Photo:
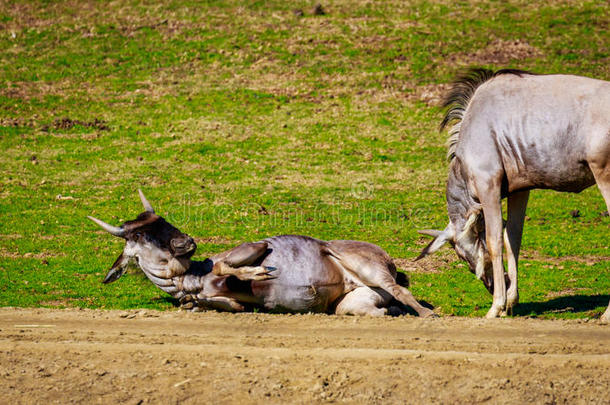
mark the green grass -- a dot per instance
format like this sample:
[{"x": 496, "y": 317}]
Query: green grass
[{"x": 219, "y": 108}]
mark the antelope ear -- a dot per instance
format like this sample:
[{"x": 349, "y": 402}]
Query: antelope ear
[
  {"x": 117, "y": 270},
  {"x": 183, "y": 245},
  {"x": 440, "y": 238}
]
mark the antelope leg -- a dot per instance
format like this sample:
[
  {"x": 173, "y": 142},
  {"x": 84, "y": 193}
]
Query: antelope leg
[
  {"x": 244, "y": 273},
  {"x": 199, "y": 303},
  {"x": 488, "y": 190},
  {"x": 236, "y": 262},
  {"x": 193, "y": 302},
  {"x": 517, "y": 204},
  {"x": 602, "y": 177},
  {"x": 224, "y": 304},
  {"x": 374, "y": 268}
]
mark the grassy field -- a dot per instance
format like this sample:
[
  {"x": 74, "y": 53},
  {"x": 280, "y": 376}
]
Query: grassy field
[{"x": 242, "y": 120}]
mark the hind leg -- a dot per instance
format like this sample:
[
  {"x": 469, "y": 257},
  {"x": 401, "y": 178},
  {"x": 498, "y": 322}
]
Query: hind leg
[
  {"x": 602, "y": 177},
  {"x": 403, "y": 295},
  {"x": 372, "y": 266},
  {"x": 517, "y": 204},
  {"x": 362, "y": 301}
]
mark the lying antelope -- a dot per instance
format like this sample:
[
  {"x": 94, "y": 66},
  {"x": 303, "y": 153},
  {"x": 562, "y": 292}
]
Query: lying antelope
[
  {"x": 517, "y": 131},
  {"x": 284, "y": 273}
]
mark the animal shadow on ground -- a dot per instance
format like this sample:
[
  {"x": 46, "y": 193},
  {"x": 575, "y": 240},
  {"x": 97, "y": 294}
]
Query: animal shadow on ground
[
  {"x": 171, "y": 300},
  {"x": 571, "y": 303},
  {"x": 396, "y": 308}
]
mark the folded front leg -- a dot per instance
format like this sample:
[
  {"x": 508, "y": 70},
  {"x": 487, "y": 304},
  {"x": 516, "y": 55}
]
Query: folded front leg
[
  {"x": 244, "y": 273},
  {"x": 237, "y": 262}
]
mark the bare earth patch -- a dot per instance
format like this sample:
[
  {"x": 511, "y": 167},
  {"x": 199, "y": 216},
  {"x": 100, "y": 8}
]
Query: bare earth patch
[
  {"x": 141, "y": 357},
  {"x": 69, "y": 123},
  {"x": 564, "y": 293},
  {"x": 58, "y": 303},
  {"x": 5, "y": 253},
  {"x": 218, "y": 240},
  {"x": 431, "y": 94},
  {"x": 431, "y": 264},
  {"x": 589, "y": 260},
  {"x": 498, "y": 52},
  {"x": 16, "y": 122}
]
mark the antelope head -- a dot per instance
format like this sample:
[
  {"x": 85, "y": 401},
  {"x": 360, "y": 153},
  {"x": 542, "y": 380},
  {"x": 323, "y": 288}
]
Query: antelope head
[
  {"x": 469, "y": 244},
  {"x": 156, "y": 246}
]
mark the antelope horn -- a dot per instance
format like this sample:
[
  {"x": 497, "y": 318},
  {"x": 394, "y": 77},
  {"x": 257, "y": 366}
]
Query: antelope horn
[
  {"x": 430, "y": 232},
  {"x": 147, "y": 206},
  {"x": 114, "y": 230}
]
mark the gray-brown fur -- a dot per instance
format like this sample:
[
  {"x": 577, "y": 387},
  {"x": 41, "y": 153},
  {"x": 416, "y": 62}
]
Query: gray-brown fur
[
  {"x": 515, "y": 132},
  {"x": 458, "y": 98},
  {"x": 290, "y": 273}
]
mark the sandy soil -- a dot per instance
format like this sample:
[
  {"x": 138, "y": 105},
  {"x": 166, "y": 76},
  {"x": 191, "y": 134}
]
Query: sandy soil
[{"x": 87, "y": 356}]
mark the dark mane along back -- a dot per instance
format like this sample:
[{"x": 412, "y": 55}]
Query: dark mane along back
[{"x": 459, "y": 95}]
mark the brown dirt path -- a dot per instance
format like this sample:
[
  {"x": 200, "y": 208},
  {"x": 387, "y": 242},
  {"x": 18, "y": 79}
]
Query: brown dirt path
[{"x": 87, "y": 356}]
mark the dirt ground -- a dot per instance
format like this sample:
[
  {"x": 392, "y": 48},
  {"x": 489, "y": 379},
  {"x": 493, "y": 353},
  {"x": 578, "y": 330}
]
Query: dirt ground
[{"x": 135, "y": 357}]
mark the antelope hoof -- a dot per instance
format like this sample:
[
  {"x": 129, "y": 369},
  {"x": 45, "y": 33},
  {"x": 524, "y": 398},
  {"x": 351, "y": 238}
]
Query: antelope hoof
[
  {"x": 187, "y": 301},
  {"x": 258, "y": 273},
  {"x": 188, "y": 305},
  {"x": 268, "y": 271},
  {"x": 428, "y": 313},
  {"x": 494, "y": 312},
  {"x": 193, "y": 303}
]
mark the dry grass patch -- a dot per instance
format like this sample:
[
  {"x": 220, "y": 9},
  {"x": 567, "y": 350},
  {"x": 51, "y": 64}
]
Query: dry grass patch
[
  {"x": 7, "y": 254},
  {"x": 498, "y": 52},
  {"x": 216, "y": 240},
  {"x": 589, "y": 260},
  {"x": 435, "y": 263},
  {"x": 430, "y": 94},
  {"x": 60, "y": 303},
  {"x": 564, "y": 293}
]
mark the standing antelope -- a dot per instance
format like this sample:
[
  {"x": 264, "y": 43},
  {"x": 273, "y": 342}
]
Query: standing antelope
[
  {"x": 284, "y": 273},
  {"x": 517, "y": 131}
]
